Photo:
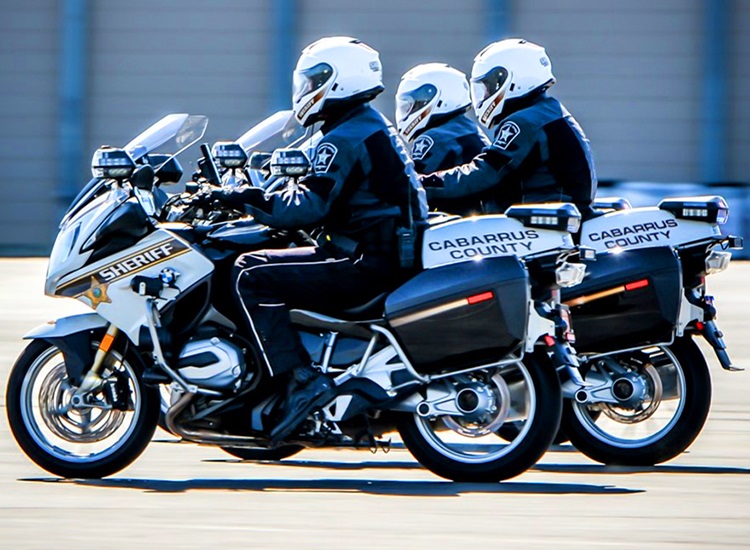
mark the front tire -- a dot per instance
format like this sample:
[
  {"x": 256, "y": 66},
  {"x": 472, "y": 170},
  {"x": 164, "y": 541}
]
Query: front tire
[
  {"x": 91, "y": 441},
  {"x": 467, "y": 451},
  {"x": 659, "y": 428}
]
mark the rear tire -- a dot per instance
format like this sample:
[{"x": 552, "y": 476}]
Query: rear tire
[
  {"x": 78, "y": 442},
  {"x": 680, "y": 365},
  {"x": 502, "y": 461}
]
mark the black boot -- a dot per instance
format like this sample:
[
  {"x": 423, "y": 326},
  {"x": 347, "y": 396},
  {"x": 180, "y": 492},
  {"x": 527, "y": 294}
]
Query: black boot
[{"x": 308, "y": 389}]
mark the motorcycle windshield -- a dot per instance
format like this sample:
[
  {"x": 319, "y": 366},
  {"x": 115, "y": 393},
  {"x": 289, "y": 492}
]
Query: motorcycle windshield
[
  {"x": 278, "y": 130},
  {"x": 171, "y": 136}
]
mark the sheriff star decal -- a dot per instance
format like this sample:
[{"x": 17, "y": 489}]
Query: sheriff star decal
[
  {"x": 324, "y": 156},
  {"x": 421, "y": 146},
  {"x": 507, "y": 133},
  {"x": 97, "y": 293}
]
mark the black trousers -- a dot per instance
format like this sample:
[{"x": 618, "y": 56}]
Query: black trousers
[{"x": 271, "y": 282}]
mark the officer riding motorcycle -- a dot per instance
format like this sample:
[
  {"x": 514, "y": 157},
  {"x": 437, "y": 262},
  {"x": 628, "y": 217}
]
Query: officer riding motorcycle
[
  {"x": 539, "y": 152},
  {"x": 362, "y": 190},
  {"x": 431, "y": 105}
]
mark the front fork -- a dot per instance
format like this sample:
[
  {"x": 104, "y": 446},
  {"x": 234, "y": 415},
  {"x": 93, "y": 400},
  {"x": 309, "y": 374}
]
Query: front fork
[
  {"x": 93, "y": 381},
  {"x": 708, "y": 328}
]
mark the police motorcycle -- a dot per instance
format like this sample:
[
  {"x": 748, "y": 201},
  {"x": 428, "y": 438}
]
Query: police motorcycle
[
  {"x": 636, "y": 316},
  {"x": 456, "y": 352}
]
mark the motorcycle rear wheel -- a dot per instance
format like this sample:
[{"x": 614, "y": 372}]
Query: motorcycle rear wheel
[
  {"x": 483, "y": 456},
  {"x": 84, "y": 442},
  {"x": 680, "y": 398}
]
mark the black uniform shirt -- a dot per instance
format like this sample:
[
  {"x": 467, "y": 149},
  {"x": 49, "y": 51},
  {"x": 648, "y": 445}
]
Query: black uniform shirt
[
  {"x": 540, "y": 154},
  {"x": 454, "y": 142}
]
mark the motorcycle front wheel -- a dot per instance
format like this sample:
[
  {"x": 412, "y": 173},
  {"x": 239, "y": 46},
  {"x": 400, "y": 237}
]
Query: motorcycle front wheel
[
  {"x": 93, "y": 439},
  {"x": 467, "y": 448},
  {"x": 658, "y": 426}
]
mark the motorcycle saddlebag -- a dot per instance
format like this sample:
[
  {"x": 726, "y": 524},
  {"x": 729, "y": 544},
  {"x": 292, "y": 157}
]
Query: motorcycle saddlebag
[
  {"x": 628, "y": 299},
  {"x": 461, "y": 315}
]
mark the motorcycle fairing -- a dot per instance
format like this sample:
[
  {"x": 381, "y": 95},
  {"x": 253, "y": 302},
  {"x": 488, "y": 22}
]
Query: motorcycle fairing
[
  {"x": 492, "y": 236},
  {"x": 67, "y": 325},
  {"x": 643, "y": 228},
  {"x": 106, "y": 285}
]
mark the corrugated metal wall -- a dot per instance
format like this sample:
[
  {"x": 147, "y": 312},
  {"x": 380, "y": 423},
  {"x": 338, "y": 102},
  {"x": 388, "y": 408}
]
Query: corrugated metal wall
[
  {"x": 406, "y": 33},
  {"x": 29, "y": 55},
  {"x": 149, "y": 59},
  {"x": 631, "y": 72},
  {"x": 739, "y": 92}
]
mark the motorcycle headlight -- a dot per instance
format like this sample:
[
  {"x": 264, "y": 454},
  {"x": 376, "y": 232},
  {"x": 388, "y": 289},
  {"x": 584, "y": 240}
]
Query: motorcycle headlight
[
  {"x": 717, "y": 261},
  {"x": 229, "y": 154},
  {"x": 711, "y": 209},
  {"x": 570, "y": 274},
  {"x": 554, "y": 216},
  {"x": 109, "y": 162}
]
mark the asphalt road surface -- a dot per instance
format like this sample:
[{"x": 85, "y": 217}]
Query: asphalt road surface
[{"x": 186, "y": 496}]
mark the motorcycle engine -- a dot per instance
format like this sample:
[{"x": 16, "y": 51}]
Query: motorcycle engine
[{"x": 215, "y": 364}]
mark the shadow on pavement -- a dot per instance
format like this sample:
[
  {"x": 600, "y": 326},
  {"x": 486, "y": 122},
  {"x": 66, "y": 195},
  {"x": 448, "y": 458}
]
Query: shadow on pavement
[
  {"x": 330, "y": 465},
  {"x": 661, "y": 469},
  {"x": 364, "y": 486}
]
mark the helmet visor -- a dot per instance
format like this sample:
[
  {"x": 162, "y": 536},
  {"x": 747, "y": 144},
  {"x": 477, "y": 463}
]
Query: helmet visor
[
  {"x": 487, "y": 85},
  {"x": 308, "y": 80},
  {"x": 408, "y": 103}
]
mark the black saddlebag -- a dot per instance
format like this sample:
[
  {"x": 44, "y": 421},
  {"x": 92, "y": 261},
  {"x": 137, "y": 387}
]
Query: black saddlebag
[
  {"x": 461, "y": 315},
  {"x": 628, "y": 299}
]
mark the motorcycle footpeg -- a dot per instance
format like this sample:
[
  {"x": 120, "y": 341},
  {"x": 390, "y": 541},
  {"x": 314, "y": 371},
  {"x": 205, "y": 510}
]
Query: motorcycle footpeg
[{"x": 715, "y": 337}]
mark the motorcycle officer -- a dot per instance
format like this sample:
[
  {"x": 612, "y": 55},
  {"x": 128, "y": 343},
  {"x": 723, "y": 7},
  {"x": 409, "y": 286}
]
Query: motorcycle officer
[
  {"x": 539, "y": 152},
  {"x": 431, "y": 104},
  {"x": 361, "y": 190}
]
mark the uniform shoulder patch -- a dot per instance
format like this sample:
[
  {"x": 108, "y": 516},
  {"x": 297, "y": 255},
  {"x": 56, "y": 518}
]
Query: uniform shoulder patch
[
  {"x": 421, "y": 146},
  {"x": 324, "y": 155},
  {"x": 506, "y": 134}
]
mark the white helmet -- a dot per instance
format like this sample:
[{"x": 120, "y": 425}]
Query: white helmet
[
  {"x": 509, "y": 69},
  {"x": 333, "y": 70},
  {"x": 426, "y": 91}
]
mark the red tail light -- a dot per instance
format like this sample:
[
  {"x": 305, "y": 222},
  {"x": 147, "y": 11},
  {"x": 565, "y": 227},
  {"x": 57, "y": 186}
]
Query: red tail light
[
  {"x": 637, "y": 284},
  {"x": 477, "y": 298}
]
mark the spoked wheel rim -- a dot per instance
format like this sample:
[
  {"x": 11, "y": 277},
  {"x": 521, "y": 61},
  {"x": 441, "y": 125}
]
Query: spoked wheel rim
[
  {"x": 82, "y": 434},
  {"x": 649, "y": 421},
  {"x": 473, "y": 440}
]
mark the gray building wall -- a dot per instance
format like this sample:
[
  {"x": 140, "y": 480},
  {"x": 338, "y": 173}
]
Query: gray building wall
[
  {"x": 739, "y": 92},
  {"x": 630, "y": 72},
  {"x": 29, "y": 55}
]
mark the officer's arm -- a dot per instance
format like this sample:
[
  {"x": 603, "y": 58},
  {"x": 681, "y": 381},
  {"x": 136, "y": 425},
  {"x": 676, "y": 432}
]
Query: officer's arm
[
  {"x": 309, "y": 202},
  {"x": 488, "y": 169},
  {"x": 302, "y": 205}
]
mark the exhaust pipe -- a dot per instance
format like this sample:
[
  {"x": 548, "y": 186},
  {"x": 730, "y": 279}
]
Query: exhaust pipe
[{"x": 203, "y": 436}]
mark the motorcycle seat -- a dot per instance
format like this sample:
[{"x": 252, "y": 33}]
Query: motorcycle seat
[
  {"x": 318, "y": 321},
  {"x": 369, "y": 310}
]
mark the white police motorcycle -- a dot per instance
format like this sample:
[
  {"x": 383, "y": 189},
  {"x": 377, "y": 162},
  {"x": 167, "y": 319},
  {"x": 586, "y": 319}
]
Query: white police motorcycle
[{"x": 463, "y": 348}]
